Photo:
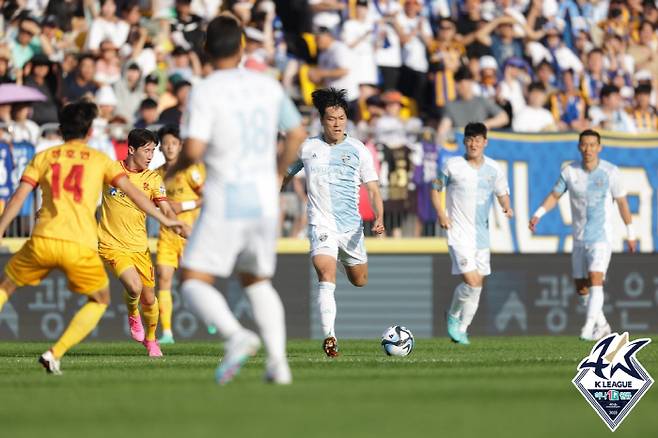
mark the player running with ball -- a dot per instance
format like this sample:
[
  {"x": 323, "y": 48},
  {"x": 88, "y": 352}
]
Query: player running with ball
[
  {"x": 470, "y": 181},
  {"x": 594, "y": 186}
]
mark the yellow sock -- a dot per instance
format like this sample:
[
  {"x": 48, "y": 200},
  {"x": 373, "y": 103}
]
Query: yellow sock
[
  {"x": 131, "y": 303},
  {"x": 166, "y": 307},
  {"x": 150, "y": 314},
  {"x": 80, "y": 326},
  {"x": 4, "y": 297}
]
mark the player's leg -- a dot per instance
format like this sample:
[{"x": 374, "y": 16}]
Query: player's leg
[
  {"x": 25, "y": 268},
  {"x": 133, "y": 285},
  {"x": 165, "y": 280},
  {"x": 473, "y": 281},
  {"x": 352, "y": 254},
  {"x": 463, "y": 264},
  {"x": 149, "y": 302},
  {"x": 7, "y": 288},
  {"x": 597, "y": 259}
]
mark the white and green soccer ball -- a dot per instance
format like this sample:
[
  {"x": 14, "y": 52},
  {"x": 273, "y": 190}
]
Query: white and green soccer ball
[{"x": 397, "y": 341}]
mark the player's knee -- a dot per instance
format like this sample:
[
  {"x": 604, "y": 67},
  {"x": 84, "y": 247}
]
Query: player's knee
[
  {"x": 359, "y": 280},
  {"x": 101, "y": 297}
]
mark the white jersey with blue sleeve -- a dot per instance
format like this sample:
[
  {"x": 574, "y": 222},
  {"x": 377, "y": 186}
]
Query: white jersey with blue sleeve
[
  {"x": 334, "y": 175},
  {"x": 469, "y": 197},
  {"x": 238, "y": 114},
  {"x": 592, "y": 196}
]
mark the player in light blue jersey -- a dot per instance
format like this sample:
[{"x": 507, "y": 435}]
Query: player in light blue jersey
[
  {"x": 594, "y": 186},
  {"x": 232, "y": 123},
  {"x": 336, "y": 165},
  {"x": 470, "y": 181}
]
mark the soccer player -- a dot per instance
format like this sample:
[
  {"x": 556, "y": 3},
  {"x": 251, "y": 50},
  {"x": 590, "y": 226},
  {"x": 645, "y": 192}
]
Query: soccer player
[
  {"x": 470, "y": 182},
  {"x": 232, "y": 122},
  {"x": 71, "y": 177},
  {"x": 122, "y": 238},
  {"x": 594, "y": 185},
  {"x": 336, "y": 165},
  {"x": 184, "y": 195}
]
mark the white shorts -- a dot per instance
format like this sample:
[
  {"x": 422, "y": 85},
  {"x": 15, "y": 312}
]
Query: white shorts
[
  {"x": 348, "y": 248},
  {"x": 218, "y": 247},
  {"x": 470, "y": 259},
  {"x": 590, "y": 258}
]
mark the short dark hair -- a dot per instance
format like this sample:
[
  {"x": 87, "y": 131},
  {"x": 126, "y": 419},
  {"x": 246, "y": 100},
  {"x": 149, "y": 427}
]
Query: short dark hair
[
  {"x": 84, "y": 56},
  {"x": 139, "y": 137},
  {"x": 328, "y": 97},
  {"x": 168, "y": 130},
  {"x": 536, "y": 86},
  {"x": 643, "y": 89},
  {"x": 223, "y": 37},
  {"x": 589, "y": 133},
  {"x": 463, "y": 73},
  {"x": 76, "y": 119},
  {"x": 609, "y": 89},
  {"x": 148, "y": 103},
  {"x": 475, "y": 129}
]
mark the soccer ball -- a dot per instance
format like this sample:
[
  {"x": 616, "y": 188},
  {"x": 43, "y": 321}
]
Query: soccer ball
[{"x": 397, "y": 341}]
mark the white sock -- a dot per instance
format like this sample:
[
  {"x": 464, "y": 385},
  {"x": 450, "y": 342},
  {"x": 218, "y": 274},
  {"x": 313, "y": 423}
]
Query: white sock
[
  {"x": 459, "y": 297},
  {"x": 594, "y": 307},
  {"x": 470, "y": 306},
  {"x": 167, "y": 333},
  {"x": 270, "y": 318},
  {"x": 210, "y": 306},
  {"x": 327, "y": 304}
]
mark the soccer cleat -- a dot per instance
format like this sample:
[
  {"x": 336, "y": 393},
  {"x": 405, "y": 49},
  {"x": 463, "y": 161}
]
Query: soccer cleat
[
  {"x": 166, "y": 339},
  {"x": 602, "y": 332},
  {"x": 238, "y": 349},
  {"x": 49, "y": 362},
  {"x": 453, "y": 328},
  {"x": 464, "y": 339},
  {"x": 136, "y": 327},
  {"x": 278, "y": 374},
  {"x": 330, "y": 347},
  {"x": 212, "y": 330},
  {"x": 587, "y": 333},
  {"x": 152, "y": 348}
]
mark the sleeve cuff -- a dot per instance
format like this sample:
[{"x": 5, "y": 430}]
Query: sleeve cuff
[
  {"x": 157, "y": 200},
  {"x": 29, "y": 180}
]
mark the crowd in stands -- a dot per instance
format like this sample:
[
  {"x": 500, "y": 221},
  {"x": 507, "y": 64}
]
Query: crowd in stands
[{"x": 414, "y": 71}]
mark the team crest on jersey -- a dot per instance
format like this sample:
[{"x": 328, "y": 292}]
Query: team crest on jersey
[
  {"x": 70, "y": 154},
  {"x": 345, "y": 158},
  {"x": 322, "y": 237},
  {"x": 146, "y": 187},
  {"x": 314, "y": 155},
  {"x": 599, "y": 182},
  {"x": 611, "y": 378}
]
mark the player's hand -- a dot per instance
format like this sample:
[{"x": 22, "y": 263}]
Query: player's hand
[
  {"x": 632, "y": 246},
  {"x": 509, "y": 213},
  {"x": 378, "y": 227},
  {"x": 533, "y": 223},
  {"x": 445, "y": 222}
]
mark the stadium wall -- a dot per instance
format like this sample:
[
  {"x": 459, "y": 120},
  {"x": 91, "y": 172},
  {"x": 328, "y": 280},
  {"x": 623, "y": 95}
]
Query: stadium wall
[{"x": 529, "y": 294}]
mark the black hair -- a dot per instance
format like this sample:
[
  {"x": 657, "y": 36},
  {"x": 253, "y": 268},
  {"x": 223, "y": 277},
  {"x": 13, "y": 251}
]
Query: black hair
[
  {"x": 595, "y": 50},
  {"x": 475, "y": 129},
  {"x": 84, "y": 56},
  {"x": 536, "y": 86},
  {"x": 607, "y": 90},
  {"x": 223, "y": 37},
  {"x": 328, "y": 97},
  {"x": 76, "y": 119},
  {"x": 463, "y": 73},
  {"x": 544, "y": 63},
  {"x": 643, "y": 89},
  {"x": 139, "y": 137},
  {"x": 168, "y": 130},
  {"x": 180, "y": 84},
  {"x": 589, "y": 133},
  {"x": 148, "y": 103}
]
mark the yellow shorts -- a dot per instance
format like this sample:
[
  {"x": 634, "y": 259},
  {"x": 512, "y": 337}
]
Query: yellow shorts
[
  {"x": 170, "y": 249},
  {"x": 81, "y": 265},
  {"x": 119, "y": 261}
]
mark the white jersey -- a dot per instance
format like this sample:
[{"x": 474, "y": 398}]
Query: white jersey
[
  {"x": 469, "y": 197},
  {"x": 592, "y": 197},
  {"x": 333, "y": 177},
  {"x": 238, "y": 114}
]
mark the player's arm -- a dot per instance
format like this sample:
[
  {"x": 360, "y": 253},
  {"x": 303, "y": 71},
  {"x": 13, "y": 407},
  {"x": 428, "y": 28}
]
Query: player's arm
[
  {"x": 290, "y": 122},
  {"x": 625, "y": 212},
  {"x": 14, "y": 205},
  {"x": 504, "y": 201},
  {"x": 377, "y": 205},
  {"x": 293, "y": 170},
  {"x": 438, "y": 186},
  {"x": 145, "y": 204},
  {"x": 549, "y": 203}
]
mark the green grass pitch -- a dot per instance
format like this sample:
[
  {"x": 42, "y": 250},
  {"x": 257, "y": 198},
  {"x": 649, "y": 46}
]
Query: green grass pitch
[{"x": 497, "y": 387}]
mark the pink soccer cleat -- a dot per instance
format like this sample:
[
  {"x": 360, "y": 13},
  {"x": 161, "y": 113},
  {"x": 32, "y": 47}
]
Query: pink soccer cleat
[
  {"x": 153, "y": 348},
  {"x": 136, "y": 327}
]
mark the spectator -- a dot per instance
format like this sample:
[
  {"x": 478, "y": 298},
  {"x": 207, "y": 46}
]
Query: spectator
[
  {"x": 27, "y": 43},
  {"x": 445, "y": 60},
  {"x": 327, "y": 13},
  {"x": 510, "y": 89},
  {"x": 43, "y": 78},
  {"x": 130, "y": 92},
  {"x": 185, "y": 63},
  {"x": 416, "y": 38},
  {"x": 499, "y": 36},
  {"x": 568, "y": 106},
  {"x": 82, "y": 82},
  {"x": 594, "y": 77},
  {"x": 468, "y": 108},
  {"x": 173, "y": 115},
  {"x": 5, "y": 59},
  {"x": 645, "y": 50},
  {"x": 148, "y": 113},
  {"x": 610, "y": 115},
  {"x": 488, "y": 69},
  {"x": 358, "y": 34},
  {"x": 187, "y": 28},
  {"x": 336, "y": 67},
  {"x": 108, "y": 65},
  {"x": 534, "y": 117},
  {"x": 644, "y": 114},
  {"x": 107, "y": 26},
  {"x": 387, "y": 46},
  {"x": 100, "y": 137},
  {"x": 21, "y": 127}
]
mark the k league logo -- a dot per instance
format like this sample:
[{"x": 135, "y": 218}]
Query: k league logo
[{"x": 611, "y": 379}]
